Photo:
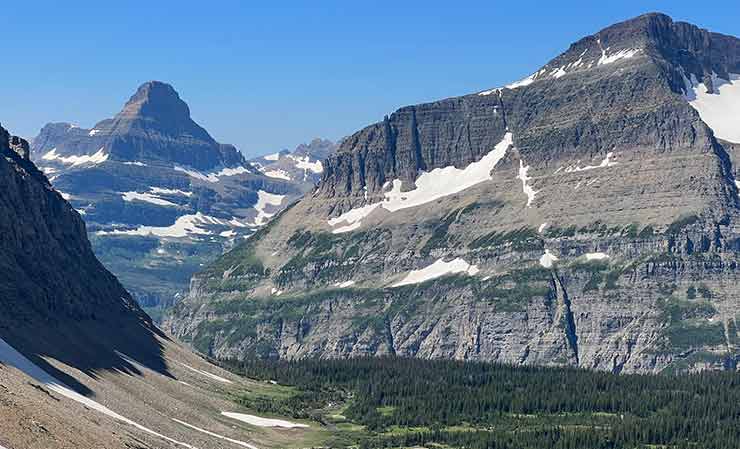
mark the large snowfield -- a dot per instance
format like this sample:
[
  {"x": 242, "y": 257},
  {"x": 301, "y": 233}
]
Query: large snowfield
[{"x": 430, "y": 186}]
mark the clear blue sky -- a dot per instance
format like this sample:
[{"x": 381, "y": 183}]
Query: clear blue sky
[{"x": 270, "y": 77}]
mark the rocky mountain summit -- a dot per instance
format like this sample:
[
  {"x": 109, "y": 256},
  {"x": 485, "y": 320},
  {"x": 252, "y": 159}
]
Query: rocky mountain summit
[
  {"x": 160, "y": 196},
  {"x": 303, "y": 165},
  {"x": 586, "y": 215}
]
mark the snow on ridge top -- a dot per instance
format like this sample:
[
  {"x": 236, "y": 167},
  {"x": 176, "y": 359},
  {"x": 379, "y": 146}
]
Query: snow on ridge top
[
  {"x": 430, "y": 186},
  {"x": 438, "y": 269},
  {"x": 98, "y": 158},
  {"x": 719, "y": 110}
]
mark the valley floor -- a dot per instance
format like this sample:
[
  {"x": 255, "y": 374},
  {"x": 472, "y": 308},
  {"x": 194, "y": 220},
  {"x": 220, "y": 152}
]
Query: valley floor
[{"x": 360, "y": 403}]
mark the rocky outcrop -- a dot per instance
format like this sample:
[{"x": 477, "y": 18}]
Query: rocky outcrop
[{"x": 585, "y": 215}]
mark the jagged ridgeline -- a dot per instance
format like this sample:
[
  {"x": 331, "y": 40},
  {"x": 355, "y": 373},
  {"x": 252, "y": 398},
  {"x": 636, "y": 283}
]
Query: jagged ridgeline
[{"x": 584, "y": 216}]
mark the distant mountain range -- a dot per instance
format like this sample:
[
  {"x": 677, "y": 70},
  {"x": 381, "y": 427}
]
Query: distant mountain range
[
  {"x": 586, "y": 215},
  {"x": 159, "y": 195}
]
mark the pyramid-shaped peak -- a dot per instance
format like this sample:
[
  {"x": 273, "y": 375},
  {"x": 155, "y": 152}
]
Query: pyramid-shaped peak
[{"x": 156, "y": 99}]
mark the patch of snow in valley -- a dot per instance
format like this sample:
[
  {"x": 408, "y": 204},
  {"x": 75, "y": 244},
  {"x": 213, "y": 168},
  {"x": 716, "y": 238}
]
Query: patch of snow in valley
[
  {"x": 265, "y": 199},
  {"x": 98, "y": 158},
  {"x": 263, "y": 422},
  {"x": 719, "y": 110},
  {"x": 528, "y": 190},
  {"x": 438, "y": 269},
  {"x": 206, "y": 374},
  {"x": 548, "y": 259},
  {"x": 430, "y": 186},
  {"x": 221, "y": 437},
  {"x": 147, "y": 198},
  {"x": 606, "y": 162},
  {"x": 10, "y": 357},
  {"x": 596, "y": 256}
]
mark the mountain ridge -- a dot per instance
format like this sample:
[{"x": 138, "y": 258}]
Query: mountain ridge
[{"x": 588, "y": 184}]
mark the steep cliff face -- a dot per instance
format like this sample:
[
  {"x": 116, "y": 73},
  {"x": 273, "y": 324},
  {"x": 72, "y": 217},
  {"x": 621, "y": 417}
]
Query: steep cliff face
[
  {"x": 585, "y": 215},
  {"x": 160, "y": 196},
  {"x": 56, "y": 299}
]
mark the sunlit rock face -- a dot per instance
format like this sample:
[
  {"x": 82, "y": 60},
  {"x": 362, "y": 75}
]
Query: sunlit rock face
[{"x": 584, "y": 216}]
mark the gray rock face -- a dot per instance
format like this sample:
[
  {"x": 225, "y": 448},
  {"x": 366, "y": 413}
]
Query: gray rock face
[
  {"x": 160, "y": 196},
  {"x": 56, "y": 299},
  {"x": 603, "y": 235}
]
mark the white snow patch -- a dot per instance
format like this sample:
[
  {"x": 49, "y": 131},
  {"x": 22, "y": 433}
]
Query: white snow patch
[
  {"x": 206, "y": 374},
  {"x": 93, "y": 132},
  {"x": 228, "y": 234},
  {"x": 304, "y": 163},
  {"x": 230, "y": 440},
  {"x": 137, "y": 163},
  {"x": 265, "y": 199},
  {"x": 272, "y": 157},
  {"x": 9, "y": 356},
  {"x": 548, "y": 259},
  {"x": 183, "y": 226},
  {"x": 528, "y": 190},
  {"x": 161, "y": 191},
  {"x": 197, "y": 175},
  {"x": 607, "y": 58},
  {"x": 226, "y": 172},
  {"x": 438, "y": 269},
  {"x": 430, "y": 186},
  {"x": 606, "y": 162},
  {"x": 263, "y": 422},
  {"x": 344, "y": 284},
  {"x": 98, "y": 158},
  {"x": 64, "y": 195},
  {"x": 719, "y": 110},
  {"x": 596, "y": 256},
  {"x": 279, "y": 174},
  {"x": 523, "y": 82},
  {"x": 147, "y": 198},
  {"x": 542, "y": 228}
]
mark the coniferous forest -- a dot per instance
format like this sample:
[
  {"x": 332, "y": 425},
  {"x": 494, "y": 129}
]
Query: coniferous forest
[{"x": 395, "y": 402}]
